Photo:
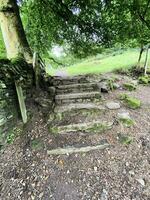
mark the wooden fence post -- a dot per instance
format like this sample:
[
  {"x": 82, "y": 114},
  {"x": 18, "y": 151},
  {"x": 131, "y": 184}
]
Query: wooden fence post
[
  {"x": 146, "y": 61},
  {"x": 21, "y": 102}
]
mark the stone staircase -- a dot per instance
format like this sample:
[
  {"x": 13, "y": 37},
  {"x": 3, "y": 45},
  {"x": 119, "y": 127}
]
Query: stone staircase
[
  {"x": 75, "y": 90},
  {"x": 78, "y": 109}
]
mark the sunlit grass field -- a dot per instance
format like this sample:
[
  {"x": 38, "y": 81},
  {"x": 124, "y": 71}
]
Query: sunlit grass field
[{"x": 101, "y": 64}]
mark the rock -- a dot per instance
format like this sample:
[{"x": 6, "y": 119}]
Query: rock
[
  {"x": 134, "y": 82},
  {"x": 123, "y": 115},
  {"x": 52, "y": 91},
  {"x": 41, "y": 195},
  {"x": 112, "y": 105},
  {"x": 125, "y": 118},
  {"x": 103, "y": 86},
  {"x": 116, "y": 85},
  {"x": 44, "y": 102},
  {"x": 104, "y": 195},
  {"x": 2, "y": 121},
  {"x": 131, "y": 173},
  {"x": 89, "y": 127},
  {"x": 141, "y": 181},
  {"x": 95, "y": 169},
  {"x": 145, "y": 142}
]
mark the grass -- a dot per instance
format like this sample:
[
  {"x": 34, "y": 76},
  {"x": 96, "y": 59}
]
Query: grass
[{"x": 101, "y": 64}]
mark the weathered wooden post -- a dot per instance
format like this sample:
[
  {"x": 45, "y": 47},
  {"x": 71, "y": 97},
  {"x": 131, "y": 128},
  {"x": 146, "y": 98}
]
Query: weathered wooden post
[
  {"x": 21, "y": 102},
  {"x": 146, "y": 61}
]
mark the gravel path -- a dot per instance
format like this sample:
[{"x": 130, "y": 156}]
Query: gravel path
[{"x": 121, "y": 172}]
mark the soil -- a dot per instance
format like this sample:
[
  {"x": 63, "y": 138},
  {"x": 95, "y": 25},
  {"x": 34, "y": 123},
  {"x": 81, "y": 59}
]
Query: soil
[{"x": 121, "y": 172}]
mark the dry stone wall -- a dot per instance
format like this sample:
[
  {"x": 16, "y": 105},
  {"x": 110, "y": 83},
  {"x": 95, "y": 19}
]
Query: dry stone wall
[{"x": 8, "y": 106}]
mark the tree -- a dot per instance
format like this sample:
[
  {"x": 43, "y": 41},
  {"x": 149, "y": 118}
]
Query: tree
[
  {"x": 80, "y": 24},
  {"x": 2, "y": 47},
  {"x": 17, "y": 47},
  {"x": 84, "y": 25},
  {"x": 12, "y": 30}
]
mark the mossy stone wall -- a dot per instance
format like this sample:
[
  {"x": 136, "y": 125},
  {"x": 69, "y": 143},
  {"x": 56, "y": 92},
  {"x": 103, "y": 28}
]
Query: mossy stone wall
[{"x": 8, "y": 106}]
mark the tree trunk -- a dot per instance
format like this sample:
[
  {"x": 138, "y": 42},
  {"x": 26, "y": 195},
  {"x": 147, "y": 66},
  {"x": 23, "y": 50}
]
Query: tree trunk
[
  {"x": 13, "y": 33},
  {"x": 15, "y": 42}
]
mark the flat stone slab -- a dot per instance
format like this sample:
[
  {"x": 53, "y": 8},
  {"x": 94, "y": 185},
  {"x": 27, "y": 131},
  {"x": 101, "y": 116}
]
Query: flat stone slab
[
  {"x": 113, "y": 105},
  {"x": 76, "y": 88},
  {"x": 125, "y": 118},
  {"x": 69, "y": 80},
  {"x": 82, "y": 95},
  {"x": 78, "y": 106},
  {"x": 89, "y": 127},
  {"x": 124, "y": 115},
  {"x": 78, "y": 85},
  {"x": 70, "y": 150}
]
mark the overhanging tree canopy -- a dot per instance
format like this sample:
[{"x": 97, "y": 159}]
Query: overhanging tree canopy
[{"x": 85, "y": 25}]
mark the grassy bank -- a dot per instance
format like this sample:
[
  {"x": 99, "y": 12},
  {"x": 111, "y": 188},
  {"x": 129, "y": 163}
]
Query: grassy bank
[{"x": 101, "y": 64}]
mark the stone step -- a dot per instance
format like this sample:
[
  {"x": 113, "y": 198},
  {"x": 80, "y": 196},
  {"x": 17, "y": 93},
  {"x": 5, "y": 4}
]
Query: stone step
[
  {"x": 82, "y": 149},
  {"x": 89, "y": 127},
  {"x": 78, "y": 106},
  {"x": 78, "y": 85},
  {"x": 75, "y": 88},
  {"x": 69, "y": 80},
  {"x": 77, "y": 97}
]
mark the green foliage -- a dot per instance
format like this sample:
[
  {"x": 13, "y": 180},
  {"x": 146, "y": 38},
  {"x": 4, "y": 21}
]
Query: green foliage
[
  {"x": 99, "y": 128},
  {"x": 85, "y": 26},
  {"x": 123, "y": 96},
  {"x": 101, "y": 63},
  {"x": 111, "y": 84},
  {"x": 129, "y": 86},
  {"x": 125, "y": 139},
  {"x": 2, "y": 47},
  {"x": 15, "y": 132},
  {"x": 54, "y": 130},
  {"x": 36, "y": 144},
  {"x": 131, "y": 102},
  {"x": 18, "y": 60},
  {"x": 11, "y": 137},
  {"x": 144, "y": 80},
  {"x": 127, "y": 122}
]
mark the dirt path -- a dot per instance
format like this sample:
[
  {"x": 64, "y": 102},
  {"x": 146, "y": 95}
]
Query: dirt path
[{"x": 121, "y": 172}]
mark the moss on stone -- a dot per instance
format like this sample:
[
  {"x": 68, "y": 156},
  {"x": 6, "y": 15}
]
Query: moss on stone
[
  {"x": 17, "y": 60},
  {"x": 98, "y": 128},
  {"x": 131, "y": 102},
  {"x": 92, "y": 128},
  {"x": 112, "y": 85},
  {"x": 129, "y": 86},
  {"x": 144, "y": 80},
  {"x": 127, "y": 122},
  {"x": 54, "y": 130},
  {"x": 123, "y": 96}
]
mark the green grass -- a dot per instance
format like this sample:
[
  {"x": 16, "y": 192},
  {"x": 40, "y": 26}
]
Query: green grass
[{"x": 102, "y": 64}]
